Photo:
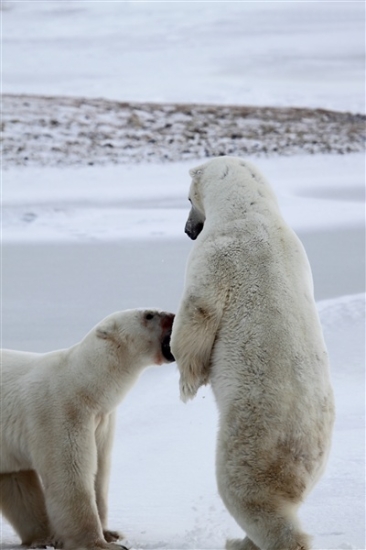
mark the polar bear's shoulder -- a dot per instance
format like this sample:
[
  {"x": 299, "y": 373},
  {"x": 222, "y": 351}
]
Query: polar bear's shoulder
[
  {"x": 228, "y": 168},
  {"x": 18, "y": 360},
  {"x": 232, "y": 186}
]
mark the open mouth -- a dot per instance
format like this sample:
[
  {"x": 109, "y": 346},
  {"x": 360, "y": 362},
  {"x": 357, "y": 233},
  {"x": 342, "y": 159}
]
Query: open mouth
[{"x": 165, "y": 348}]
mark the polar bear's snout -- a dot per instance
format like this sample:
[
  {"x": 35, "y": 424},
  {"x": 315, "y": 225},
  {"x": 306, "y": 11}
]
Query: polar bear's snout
[
  {"x": 167, "y": 321},
  {"x": 167, "y": 324},
  {"x": 165, "y": 348},
  {"x": 194, "y": 224}
]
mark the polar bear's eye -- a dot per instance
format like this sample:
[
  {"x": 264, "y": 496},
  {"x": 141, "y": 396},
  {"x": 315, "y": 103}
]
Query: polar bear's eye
[{"x": 149, "y": 316}]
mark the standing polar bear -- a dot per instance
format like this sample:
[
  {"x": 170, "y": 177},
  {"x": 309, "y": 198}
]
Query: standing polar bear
[
  {"x": 248, "y": 325},
  {"x": 57, "y": 423}
]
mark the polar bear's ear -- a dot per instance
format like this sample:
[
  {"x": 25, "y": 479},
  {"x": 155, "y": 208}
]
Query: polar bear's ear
[
  {"x": 101, "y": 333},
  {"x": 195, "y": 172},
  {"x": 106, "y": 329}
]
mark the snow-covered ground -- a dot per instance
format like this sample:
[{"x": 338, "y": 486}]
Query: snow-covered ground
[
  {"x": 81, "y": 242},
  {"x": 62, "y": 131}
]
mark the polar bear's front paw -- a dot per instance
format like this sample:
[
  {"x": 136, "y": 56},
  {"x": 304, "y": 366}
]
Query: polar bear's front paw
[
  {"x": 45, "y": 543},
  {"x": 114, "y": 546},
  {"x": 112, "y": 536},
  {"x": 188, "y": 390}
]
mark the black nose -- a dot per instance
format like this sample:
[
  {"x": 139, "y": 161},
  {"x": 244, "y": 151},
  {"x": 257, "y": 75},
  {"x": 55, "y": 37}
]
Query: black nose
[
  {"x": 193, "y": 230},
  {"x": 165, "y": 348}
]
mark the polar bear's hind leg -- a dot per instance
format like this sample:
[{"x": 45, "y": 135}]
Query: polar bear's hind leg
[
  {"x": 271, "y": 529},
  {"x": 237, "y": 544},
  {"x": 22, "y": 503}
]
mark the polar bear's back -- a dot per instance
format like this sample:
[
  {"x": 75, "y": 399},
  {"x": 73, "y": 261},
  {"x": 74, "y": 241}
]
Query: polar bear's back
[
  {"x": 269, "y": 356},
  {"x": 23, "y": 368},
  {"x": 269, "y": 349},
  {"x": 270, "y": 314},
  {"x": 16, "y": 387},
  {"x": 24, "y": 393},
  {"x": 22, "y": 361}
]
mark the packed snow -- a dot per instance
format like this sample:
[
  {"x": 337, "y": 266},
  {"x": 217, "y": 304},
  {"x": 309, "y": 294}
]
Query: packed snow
[{"x": 79, "y": 242}]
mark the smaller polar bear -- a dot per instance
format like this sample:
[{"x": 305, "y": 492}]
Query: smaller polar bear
[
  {"x": 57, "y": 423},
  {"x": 248, "y": 325}
]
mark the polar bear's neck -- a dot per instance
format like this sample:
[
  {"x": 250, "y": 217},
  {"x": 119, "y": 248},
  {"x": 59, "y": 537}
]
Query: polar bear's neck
[
  {"x": 237, "y": 204},
  {"x": 100, "y": 373},
  {"x": 236, "y": 191}
]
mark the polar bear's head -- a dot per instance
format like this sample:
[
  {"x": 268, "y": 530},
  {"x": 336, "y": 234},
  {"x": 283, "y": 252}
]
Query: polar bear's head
[
  {"x": 224, "y": 187},
  {"x": 142, "y": 335}
]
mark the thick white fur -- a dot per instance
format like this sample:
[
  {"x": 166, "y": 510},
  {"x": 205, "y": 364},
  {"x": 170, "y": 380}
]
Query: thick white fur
[
  {"x": 57, "y": 420},
  {"x": 248, "y": 325}
]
